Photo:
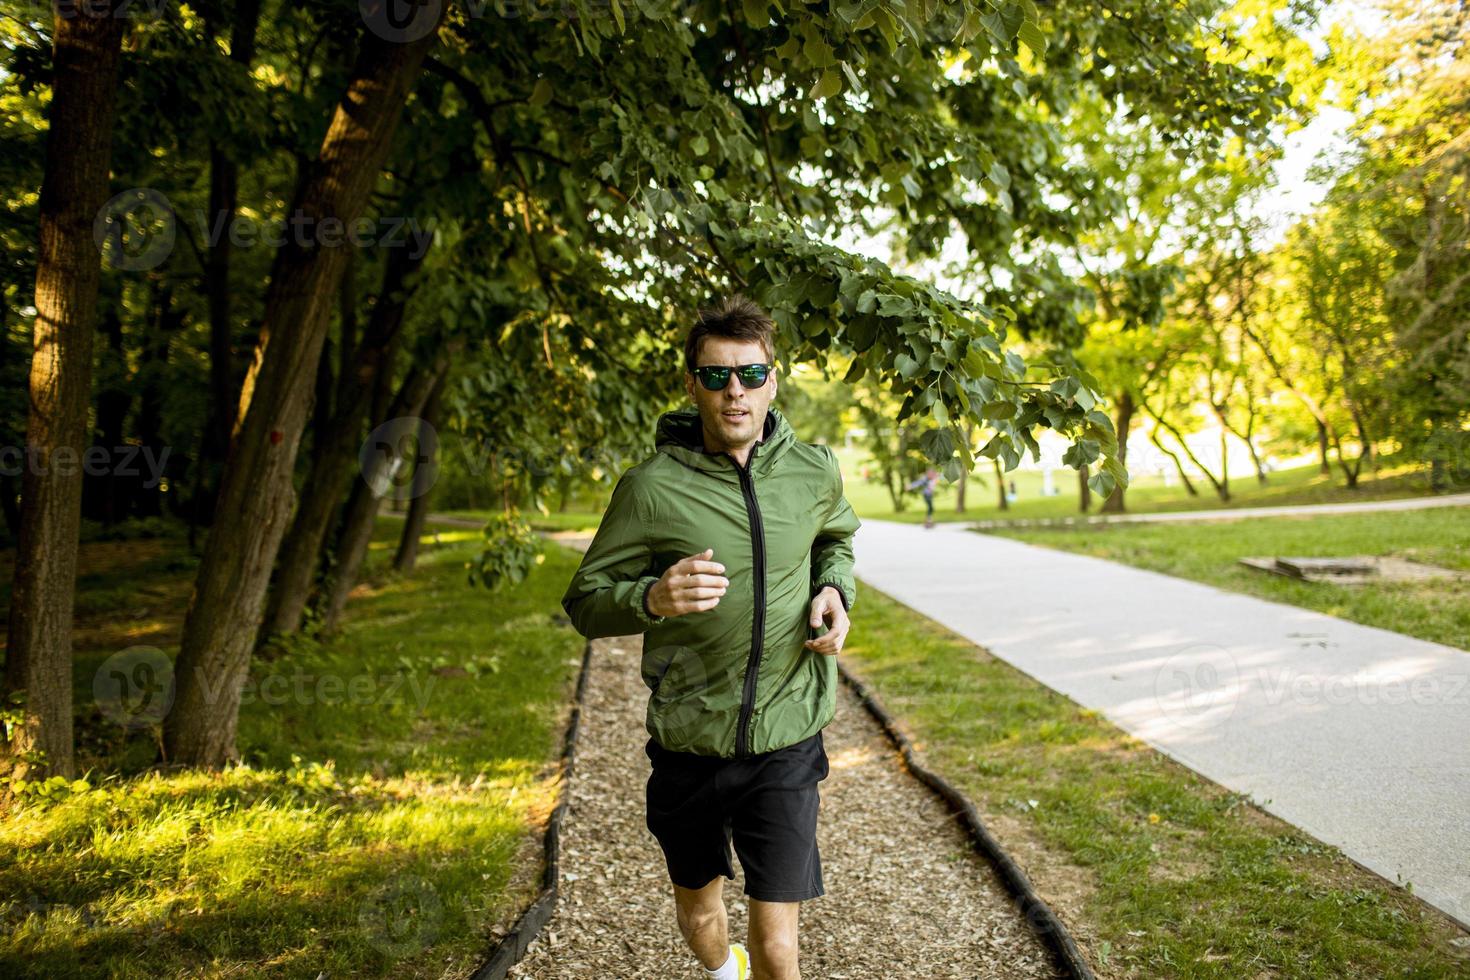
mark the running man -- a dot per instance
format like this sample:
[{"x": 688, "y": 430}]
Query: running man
[
  {"x": 926, "y": 485},
  {"x": 730, "y": 547}
]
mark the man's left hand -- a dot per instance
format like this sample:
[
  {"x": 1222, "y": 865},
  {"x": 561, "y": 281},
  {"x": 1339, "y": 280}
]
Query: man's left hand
[{"x": 827, "y": 608}]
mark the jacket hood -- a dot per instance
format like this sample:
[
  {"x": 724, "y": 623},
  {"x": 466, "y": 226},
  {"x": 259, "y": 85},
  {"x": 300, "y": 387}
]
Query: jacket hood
[{"x": 679, "y": 434}]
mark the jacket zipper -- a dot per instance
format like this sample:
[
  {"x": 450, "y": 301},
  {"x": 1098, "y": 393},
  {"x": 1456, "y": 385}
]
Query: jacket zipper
[{"x": 758, "y": 630}]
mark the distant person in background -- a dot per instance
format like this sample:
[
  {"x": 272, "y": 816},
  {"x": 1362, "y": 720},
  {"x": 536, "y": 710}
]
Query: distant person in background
[
  {"x": 925, "y": 484},
  {"x": 1011, "y": 496}
]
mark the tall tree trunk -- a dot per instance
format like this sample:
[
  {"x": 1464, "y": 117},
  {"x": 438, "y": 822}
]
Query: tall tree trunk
[
  {"x": 322, "y": 399},
  {"x": 1224, "y": 484},
  {"x": 224, "y": 194},
  {"x": 1122, "y": 423},
  {"x": 336, "y": 457},
  {"x": 256, "y": 493},
  {"x": 1084, "y": 492},
  {"x": 9, "y": 484},
  {"x": 102, "y": 495},
  {"x": 1178, "y": 463},
  {"x": 85, "y": 57},
  {"x": 167, "y": 320},
  {"x": 368, "y": 493},
  {"x": 418, "y": 507},
  {"x": 1000, "y": 486},
  {"x": 1311, "y": 404},
  {"x": 1222, "y": 488},
  {"x": 1247, "y": 437},
  {"x": 895, "y": 494},
  {"x": 1350, "y": 473}
]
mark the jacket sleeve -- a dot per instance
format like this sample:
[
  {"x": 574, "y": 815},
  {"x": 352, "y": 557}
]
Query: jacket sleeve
[
  {"x": 832, "y": 562},
  {"x": 607, "y": 594}
]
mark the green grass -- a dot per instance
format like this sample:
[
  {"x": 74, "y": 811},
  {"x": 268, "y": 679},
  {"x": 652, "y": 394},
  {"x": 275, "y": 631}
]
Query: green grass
[
  {"x": 584, "y": 514},
  {"x": 1208, "y": 552},
  {"x": 1171, "y": 875},
  {"x": 1302, "y": 485},
  {"x": 388, "y": 814},
  {"x": 1146, "y": 494}
]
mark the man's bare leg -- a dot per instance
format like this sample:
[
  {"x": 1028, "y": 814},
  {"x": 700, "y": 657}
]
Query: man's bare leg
[
  {"x": 773, "y": 944},
  {"x": 702, "y": 920}
]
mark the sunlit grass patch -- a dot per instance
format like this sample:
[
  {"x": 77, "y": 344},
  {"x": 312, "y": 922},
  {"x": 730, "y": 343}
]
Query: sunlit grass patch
[{"x": 387, "y": 813}]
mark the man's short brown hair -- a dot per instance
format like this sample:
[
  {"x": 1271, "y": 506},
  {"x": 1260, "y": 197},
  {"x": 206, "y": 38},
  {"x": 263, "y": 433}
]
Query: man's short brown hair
[{"x": 736, "y": 317}]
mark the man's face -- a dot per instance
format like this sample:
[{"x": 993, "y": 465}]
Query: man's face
[{"x": 734, "y": 417}]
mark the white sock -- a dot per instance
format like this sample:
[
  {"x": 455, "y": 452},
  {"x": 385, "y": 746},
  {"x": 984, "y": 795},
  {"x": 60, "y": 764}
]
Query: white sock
[{"x": 730, "y": 971}]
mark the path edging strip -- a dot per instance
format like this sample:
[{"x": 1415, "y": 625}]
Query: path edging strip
[
  {"x": 1038, "y": 914},
  {"x": 511, "y": 948}
]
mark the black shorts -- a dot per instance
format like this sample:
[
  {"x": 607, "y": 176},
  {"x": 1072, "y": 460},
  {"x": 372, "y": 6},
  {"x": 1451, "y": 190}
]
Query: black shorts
[{"x": 767, "y": 803}]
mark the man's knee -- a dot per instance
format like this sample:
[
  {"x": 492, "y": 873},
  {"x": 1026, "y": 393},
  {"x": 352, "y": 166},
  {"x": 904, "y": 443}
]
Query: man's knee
[
  {"x": 699, "y": 909},
  {"x": 697, "y": 919},
  {"x": 774, "y": 956}
]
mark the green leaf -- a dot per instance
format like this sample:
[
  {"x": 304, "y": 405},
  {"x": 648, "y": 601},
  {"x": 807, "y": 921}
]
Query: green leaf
[
  {"x": 816, "y": 49},
  {"x": 828, "y": 85},
  {"x": 542, "y": 93},
  {"x": 891, "y": 304},
  {"x": 1102, "y": 483},
  {"x": 1031, "y": 36},
  {"x": 998, "y": 410},
  {"x": 617, "y": 12},
  {"x": 699, "y": 146}
]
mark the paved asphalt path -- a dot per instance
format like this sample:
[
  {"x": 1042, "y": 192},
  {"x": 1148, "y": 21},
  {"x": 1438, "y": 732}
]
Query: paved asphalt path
[{"x": 1357, "y": 735}]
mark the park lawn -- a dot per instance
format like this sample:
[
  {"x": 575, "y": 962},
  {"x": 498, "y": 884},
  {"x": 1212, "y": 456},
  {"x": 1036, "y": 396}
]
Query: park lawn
[
  {"x": 1146, "y": 494},
  {"x": 1160, "y": 872},
  {"x": 1208, "y": 551},
  {"x": 1301, "y": 485},
  {"x": 388, "y": 814}
]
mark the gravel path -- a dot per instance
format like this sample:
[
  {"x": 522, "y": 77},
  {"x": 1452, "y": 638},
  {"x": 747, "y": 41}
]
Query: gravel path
[{"x": 906, "y": 896}]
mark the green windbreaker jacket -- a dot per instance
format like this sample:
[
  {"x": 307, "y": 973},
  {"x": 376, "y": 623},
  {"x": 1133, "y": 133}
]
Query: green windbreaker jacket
[{"x": 734, "y": 680}]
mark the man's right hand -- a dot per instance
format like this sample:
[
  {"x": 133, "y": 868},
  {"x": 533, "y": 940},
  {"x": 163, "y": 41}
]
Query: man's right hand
[{"x": 691, "y": 584}]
